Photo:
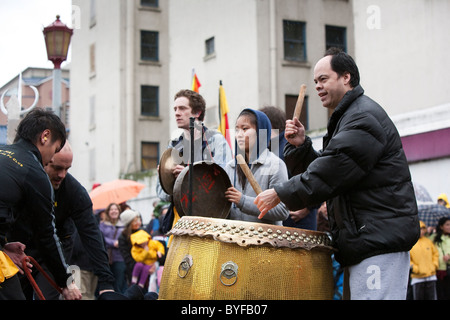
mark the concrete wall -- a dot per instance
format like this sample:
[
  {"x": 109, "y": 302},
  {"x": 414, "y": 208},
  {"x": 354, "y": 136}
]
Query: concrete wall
[{"x": 401, "y": 49}]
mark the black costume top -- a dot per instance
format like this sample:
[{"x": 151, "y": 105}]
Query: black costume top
[{"x": 26, "y": 193}]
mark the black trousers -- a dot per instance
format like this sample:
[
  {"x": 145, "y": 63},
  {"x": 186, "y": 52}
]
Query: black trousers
[
  {"x": 10, "y": 289},
  {"x": 443, "y": 288},
  {"x": 424, "y": 290}
]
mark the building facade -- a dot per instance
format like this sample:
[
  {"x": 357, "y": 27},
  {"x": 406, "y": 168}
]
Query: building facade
[
  {"x": 400, "y": 49},
  {"x": 129, "y": 58},
  {"x": 121, "y": 88},
  {"x": 42, "y": 80}
]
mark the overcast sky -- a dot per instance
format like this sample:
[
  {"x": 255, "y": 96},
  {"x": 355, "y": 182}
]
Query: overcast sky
[{"x": 22, "y": 40}]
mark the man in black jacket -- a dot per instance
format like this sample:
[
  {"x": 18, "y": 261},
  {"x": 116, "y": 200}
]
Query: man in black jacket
[
  {"x": 73, "y": 213},
  {"x": 25, "y": 191},
  {"x": 363, "y": 174}
]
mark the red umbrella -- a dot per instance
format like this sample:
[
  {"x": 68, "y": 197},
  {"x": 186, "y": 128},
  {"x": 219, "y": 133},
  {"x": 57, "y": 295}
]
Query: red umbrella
[{"x": 116, "y": 191}]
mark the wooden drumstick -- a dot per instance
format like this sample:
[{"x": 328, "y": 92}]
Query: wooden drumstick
[
  {"x": 248, "y": 174},
  {"x": 299, "y": 104}
]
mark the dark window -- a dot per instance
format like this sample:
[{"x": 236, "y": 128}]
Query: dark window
[
  {"x": 294, "y": 35},
  {"x": 209, "y": 46},
  {"x": 150, "y": 155},
  {"x": 336, "y": 37},
  {"x": 149, "y": 3},
  {"x": 150, "y": 101},
  {"x": 149, "y": 45}
]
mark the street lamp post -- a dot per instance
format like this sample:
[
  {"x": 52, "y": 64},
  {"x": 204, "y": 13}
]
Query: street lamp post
[{"x": 57, "y": 39}]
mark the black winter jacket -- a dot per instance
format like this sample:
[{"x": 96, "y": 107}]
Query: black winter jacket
[
  {"x": 26, "y": 193},
  {"x": 363, "y": 174}
]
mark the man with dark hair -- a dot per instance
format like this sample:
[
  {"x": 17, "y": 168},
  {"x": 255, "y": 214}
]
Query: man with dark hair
[
  {"x": 25, "y": 190},
  {"x": 363, "y": 175},
  {"x": 342, "y": 63},
  {"x": 36, "y": 122},
  {"x": 196, "y": 103},
  {"x": 76, "y": 226}
]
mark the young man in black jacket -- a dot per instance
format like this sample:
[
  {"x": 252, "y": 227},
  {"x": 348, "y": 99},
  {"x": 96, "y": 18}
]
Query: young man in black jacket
[
  {"x": 25, "y": 191},
  {"x": 73, "y": 214},
  {"x": 363, "y": 174}
]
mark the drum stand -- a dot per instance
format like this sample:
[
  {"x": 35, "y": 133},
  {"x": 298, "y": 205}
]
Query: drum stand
[{"x": 191, "y": 163}]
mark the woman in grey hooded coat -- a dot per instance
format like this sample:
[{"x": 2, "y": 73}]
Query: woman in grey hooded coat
[{"x": 253, "y": 130}]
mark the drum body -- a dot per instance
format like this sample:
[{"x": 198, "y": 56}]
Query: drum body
[{"x": 217, "y": 259}]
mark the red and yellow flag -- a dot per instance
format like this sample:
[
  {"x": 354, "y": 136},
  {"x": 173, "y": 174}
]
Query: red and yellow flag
[
  {"x": 223, "y": 114},
  {"x": 195, "y": 83}
]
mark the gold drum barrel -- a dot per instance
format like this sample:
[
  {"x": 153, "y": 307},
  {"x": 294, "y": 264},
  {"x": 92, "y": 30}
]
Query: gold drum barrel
[{"x": 219, "y": 259}]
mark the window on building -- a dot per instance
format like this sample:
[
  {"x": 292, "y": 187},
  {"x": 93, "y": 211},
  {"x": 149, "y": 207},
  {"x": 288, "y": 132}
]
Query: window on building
[
  {"x": 150, "y": 101},
  {"x": 149, "y": 45},
  {"x": 65, "y": 114},
  {"x": 93, "y": 13},
  {"x": 209, "y": 46},
  {"x": 92, "y": 162},
  {"x": 290, "y": 102},
  {"x": 92, "y": 59},
  {"x": 294, "y": 35},
  {"x": 336, "y": 37},
  {"x": 92, "y": 112},
  {"x": 150, "y": 155},
  {"x": 149, "y": 3},
  {"x": 3, "y": 134}
]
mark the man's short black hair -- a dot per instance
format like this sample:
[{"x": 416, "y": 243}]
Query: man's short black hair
[
  {"x": 38, "y": 120},
  {"x": 341, "y": 63}
]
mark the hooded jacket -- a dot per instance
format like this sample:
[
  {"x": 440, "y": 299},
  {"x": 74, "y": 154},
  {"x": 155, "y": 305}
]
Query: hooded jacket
[
  {"x": 268, "y": 170},
  {"x": 424, "y": 257},
  {"x": 363, "y": 175},
  {"x": 140, "y": 254},
  {"x": 443, "y": 196}
]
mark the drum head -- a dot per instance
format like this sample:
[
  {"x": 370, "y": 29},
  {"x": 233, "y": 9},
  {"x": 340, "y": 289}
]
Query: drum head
[
  {"x": 166, "y": 165},
  {"x": 209, "y": 184}
]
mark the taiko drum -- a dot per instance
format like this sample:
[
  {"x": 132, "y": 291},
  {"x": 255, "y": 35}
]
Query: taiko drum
[{"x": 220, "y": 259}]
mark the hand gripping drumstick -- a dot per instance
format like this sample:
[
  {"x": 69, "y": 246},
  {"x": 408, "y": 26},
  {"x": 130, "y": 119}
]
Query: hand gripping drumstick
[{"x": 248, "y": 174}]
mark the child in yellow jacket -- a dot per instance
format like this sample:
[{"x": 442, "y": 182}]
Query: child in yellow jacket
[
  {"x": 145, "y": 252},
  {"x": 424, "y": 263}
]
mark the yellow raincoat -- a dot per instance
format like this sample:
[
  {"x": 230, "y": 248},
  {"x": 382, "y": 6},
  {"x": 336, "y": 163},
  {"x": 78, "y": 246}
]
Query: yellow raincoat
[
  {"x": 7, "y": 267},
  {"x": 140, "y": 254},
  {"x": 443, "y": 196},
  {"x": 424, "y": 257}
]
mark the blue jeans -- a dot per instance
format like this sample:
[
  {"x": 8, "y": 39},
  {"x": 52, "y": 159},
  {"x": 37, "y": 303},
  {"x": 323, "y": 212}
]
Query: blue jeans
[{"x": 118, "y": 270}]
